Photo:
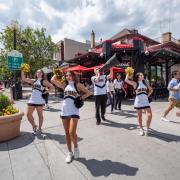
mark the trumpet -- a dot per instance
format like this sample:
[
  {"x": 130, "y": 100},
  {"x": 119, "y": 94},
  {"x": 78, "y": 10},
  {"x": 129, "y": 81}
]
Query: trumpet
[{"x": 59, "y": 74}]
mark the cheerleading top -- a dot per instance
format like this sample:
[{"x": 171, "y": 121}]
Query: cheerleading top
[
  {"x": 36, "y": 95},
  {"x": 141, "y": 100},
  {"x": 68, "y": 107}
]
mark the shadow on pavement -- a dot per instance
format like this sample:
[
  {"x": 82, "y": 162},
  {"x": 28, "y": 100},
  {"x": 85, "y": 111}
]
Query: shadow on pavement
[
  {"x": 23, "y": 140},
  {"x": 128, "y": 115},
  {"x": 59, "y": 138},
  {"x": 107, "y": 167},
  {"x": 164, "y": 136},
  {"x": 52, "y": 109},
  {"x": 119, "y": 125}
]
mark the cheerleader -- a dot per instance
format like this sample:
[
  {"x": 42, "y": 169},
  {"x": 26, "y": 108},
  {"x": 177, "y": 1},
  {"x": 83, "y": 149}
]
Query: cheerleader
[
  {"x": 143, "y": 91},
  {"x": 69, "y": 112},
  {"x": 36, "y": 101}
]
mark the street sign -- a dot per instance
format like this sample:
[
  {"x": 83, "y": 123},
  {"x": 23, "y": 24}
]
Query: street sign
[{"x": 15, "y": 59}]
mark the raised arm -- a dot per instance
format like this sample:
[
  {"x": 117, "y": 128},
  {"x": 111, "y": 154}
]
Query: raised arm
[
  {"x": 24, "y": 79},
  {"x": 97, "y": 77},
  {"x": 84, "y": 90},
  {"x": 130, "y": 82},
  {"x": 57, "y": 83},
  {"x": 110, "y": 76}
]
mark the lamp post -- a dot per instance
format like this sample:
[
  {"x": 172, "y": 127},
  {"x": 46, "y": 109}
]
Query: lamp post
[
  {"x": 14, "y": 26},
  {"x": 16, "y": 89}
]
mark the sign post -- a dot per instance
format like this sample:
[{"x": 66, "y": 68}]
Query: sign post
[{"x": 14, "y": 61}]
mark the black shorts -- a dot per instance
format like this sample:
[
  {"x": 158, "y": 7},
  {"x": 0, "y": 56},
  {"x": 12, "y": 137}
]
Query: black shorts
[
  {"x": 71, "y": 116},
  {"x": 31, "y": 104},
  {"x": 139, "y": 108}
]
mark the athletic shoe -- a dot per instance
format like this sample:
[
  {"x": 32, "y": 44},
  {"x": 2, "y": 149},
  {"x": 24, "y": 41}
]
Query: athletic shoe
[
  {"x": 98, "y": 123},
  {"x": 35, "y": 130},
  {"x": 141, "y": 132},
  {"x": 147, "y": 132},
  {"x": 164, "y": 119},
  {"x": 69, "y": 157},
  {"x": 76, "y": 153}
]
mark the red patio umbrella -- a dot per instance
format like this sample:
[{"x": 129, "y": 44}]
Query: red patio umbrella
[{"x": 76, "y": 68}]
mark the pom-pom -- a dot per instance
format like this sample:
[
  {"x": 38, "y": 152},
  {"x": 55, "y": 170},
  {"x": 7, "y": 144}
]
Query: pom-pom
[
  {"x": 59, "y": 74},
  {"x": 129, "y": 71},
  {"x": 25, "y": 67}
]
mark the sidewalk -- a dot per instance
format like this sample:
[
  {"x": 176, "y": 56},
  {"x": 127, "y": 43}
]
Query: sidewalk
[{"x": 112, "y": 150}]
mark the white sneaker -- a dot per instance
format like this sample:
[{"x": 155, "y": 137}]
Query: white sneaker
[
  {"x": 165, "y": 119},
  {"x": 141, "y": 132},
  {"x": 147, "y": 132},
  {"x": 35, "y": 130},
  {"x": 69, "y": 157},
  {"x": 76, "y": 153}
]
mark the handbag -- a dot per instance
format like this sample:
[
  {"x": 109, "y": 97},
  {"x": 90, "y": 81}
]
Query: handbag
[
  {"x": 149, "y": 99},
  {"x": 78, "y": 102},
  {"x": 44, "y": 95}
]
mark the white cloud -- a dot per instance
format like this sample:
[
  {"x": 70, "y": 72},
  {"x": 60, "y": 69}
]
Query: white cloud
[
  {"x": 76, "y": 18},
  {"x": 3, "y": 7}
]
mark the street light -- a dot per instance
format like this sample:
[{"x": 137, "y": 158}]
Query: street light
[{"x": 14, "y": 26}]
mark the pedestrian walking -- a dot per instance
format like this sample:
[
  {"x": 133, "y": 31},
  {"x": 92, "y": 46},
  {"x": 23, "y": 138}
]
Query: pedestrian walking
[
  {"x": 174, "y": 94},
  {"x": 143, "y": 91},
  {"x": 70, "y": 109},
  {"x": 119, "y": 91},
  {"x": 36, "y": 101},
  {"x": 100, "y": 93},
  {"x": 110, "y": 93}
]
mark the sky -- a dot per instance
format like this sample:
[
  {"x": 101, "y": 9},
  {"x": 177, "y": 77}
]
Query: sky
[{"x": 75, "y": 19}]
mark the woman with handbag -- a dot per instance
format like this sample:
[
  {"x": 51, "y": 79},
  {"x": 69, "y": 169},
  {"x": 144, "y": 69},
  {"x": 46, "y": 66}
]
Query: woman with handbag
[
  {"x": 143, "y": 91},
  {"x": 36, "y": 100},
  {"x": 70, "y": 109}
]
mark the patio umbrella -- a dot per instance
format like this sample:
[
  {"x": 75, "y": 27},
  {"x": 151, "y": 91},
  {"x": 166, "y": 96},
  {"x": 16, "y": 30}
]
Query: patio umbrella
[{"x": 78, "y": 68}]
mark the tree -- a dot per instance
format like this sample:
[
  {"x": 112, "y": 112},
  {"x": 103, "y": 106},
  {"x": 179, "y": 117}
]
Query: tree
[{"x": 36, "y": 47}]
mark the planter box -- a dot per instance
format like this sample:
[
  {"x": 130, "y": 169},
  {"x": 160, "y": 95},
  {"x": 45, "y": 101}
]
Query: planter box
[{"x": 10, "y": 126}]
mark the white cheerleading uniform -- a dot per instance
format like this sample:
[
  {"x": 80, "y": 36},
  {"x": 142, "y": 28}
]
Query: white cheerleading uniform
[
  {"x": 141, "y": 100},
  {"x": 69, "y": 110},
  {"x": 36, "y": 95}
]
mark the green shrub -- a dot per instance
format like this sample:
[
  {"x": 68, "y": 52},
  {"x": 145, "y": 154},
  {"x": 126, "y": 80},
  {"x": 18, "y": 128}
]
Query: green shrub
[{"x": 4, "y": 102}]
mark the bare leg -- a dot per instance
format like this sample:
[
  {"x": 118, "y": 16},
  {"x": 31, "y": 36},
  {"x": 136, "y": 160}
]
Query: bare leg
[
  {"x": 39, "y": 110},
  {"x": 72, "y": 131},
  {"x": 30, "y": 110},
  {"x": 139, "y": 117},
  {"x": 167, "y": 110},
  {"x": 66, "y": 124},
  {"x": 149, "y": 117}
]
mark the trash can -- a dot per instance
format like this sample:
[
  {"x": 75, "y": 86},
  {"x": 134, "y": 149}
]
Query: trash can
[{"x": 17, "y": 91}]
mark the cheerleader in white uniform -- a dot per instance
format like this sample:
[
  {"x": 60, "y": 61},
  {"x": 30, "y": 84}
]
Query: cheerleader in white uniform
[
  {"x": 69, "y": 112},
  {"x": 36, "y": 100},
  {"x": 143, "y": 91}
]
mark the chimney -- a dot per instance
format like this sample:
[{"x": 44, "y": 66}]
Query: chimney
[
  {"x": 179, "y": 41},
  {"x": 92, "y": 39},
  {"x": 166, "y": 37}
]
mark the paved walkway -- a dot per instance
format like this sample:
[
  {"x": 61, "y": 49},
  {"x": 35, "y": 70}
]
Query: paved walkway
[{"x": 112, "y": 150}]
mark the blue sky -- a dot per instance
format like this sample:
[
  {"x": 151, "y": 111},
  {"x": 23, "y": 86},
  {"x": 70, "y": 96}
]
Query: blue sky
[{"x": 76, "y": 18}]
